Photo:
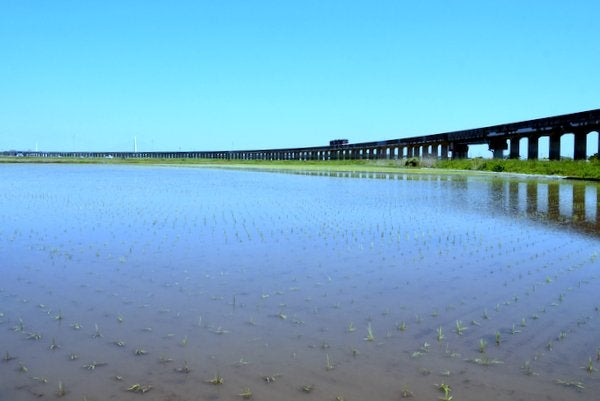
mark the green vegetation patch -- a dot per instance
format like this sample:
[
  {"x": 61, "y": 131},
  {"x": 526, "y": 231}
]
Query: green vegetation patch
[{"x": 581, "y": 169}]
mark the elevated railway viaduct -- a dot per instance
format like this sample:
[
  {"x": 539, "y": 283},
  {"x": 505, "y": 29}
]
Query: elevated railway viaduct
[{"x": 443, "y": 145}]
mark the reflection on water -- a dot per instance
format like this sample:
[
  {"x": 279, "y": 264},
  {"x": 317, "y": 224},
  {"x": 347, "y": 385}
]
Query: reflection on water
[
  {"x": 185, "y": 284},
  {"x": 567, "y": 203}
]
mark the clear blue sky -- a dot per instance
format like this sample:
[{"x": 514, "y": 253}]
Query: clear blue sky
[{"x": 204, "y": 75}]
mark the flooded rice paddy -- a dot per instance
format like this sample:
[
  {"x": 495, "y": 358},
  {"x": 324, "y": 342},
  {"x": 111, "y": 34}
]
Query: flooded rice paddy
[{"x": 152, "y": 283}]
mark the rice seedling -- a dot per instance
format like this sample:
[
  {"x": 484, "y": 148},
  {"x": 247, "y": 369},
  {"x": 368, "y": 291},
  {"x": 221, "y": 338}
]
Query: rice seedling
[
  {"x": 76, "y": 326},
  {"x": 514, "y": 330},
  {"x": 351, "y": 328},
  {"x": 216, "y": 380},
  {"x": 7, "y": 357},
  {"x": 328, "y": 364},
  {"x": 440, "y": 334},
  {"x": 241, "y": 362},
  {"x": 246, "y": 393},
  {"x": 417, "y": 354},
  {"x": 61, "y": 391},
  {"x": 460, "y": 328},
  {"x": 97, "y": 333},
  {"x": 405, "y": 392},
  {"x": 497, "y": 338},
  {"x": 270, "y": 378},
  {"x": 34, "y": 336},
  {"x": 20, "y": 327},
  {"x": 577, "y": 385},
  {"x": 40, "y": 379},
  {"x": 119, "y": 343},
  {"x": 527, "y": 369},
  {"x": 22, "y": 368},
  {"x": 401, "y": 326},
  {"x": 307, "y": 388},
  {"x": 93, "y": 365},
  {"x": 482, "y": 345},
  {"x": 370, "y": 336},
  {"x": 219, "y": 330},
  {"x": 73, "y": 356},
  {"x": 485, "y": 361},
  {"x": 139, "y": 352},
  {"x": 53, "y": 346},
  {"x": 589, "y": 367},
  {"x": 446, "y": 390},
  {"x": 183, "y": 369},
  {"x": 138, "y": 388},
  {"x": 164, "y": 360}
]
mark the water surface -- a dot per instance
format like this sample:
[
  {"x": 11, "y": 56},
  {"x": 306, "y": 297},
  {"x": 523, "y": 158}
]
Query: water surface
[{"x": 167, "y": 277}]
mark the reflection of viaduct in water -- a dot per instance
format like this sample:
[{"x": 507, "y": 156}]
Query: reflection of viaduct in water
[
  {"x": 567, "y": 203},
  {"x": 451, "y": 144}
]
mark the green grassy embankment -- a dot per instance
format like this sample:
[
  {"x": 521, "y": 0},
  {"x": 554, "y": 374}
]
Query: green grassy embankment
[
  {"x": 582, "y": 169},
  {"x": 565, "y": 168}
]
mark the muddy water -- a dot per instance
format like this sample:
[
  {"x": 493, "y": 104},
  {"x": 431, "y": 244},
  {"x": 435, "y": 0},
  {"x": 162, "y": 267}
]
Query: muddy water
[{"x": 169, "y": 277}]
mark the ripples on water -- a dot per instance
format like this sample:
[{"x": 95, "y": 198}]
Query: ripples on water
[{"x": 295, "y": 286}]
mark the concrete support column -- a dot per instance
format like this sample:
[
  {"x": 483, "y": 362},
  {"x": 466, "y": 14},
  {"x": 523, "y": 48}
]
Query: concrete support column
[
  {"x": 444, "y": 154},
  {"x": 498, "y": 146},
  {"x": 532, "y": 147},
  {"x": 459, "y": 150},
  {"x": 580, "y": 151},
  {"x": 554, "y": 153},
  {"x": 514, "y": 148}
]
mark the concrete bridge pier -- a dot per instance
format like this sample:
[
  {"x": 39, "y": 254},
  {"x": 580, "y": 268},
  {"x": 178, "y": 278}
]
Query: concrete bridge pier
[
  {"x": 444, "y": 154},
  {"x": 580, "y": 145},
  {"x": 514, "y": 148},
  {"x": 532, "y": 147},
  {"x": 554, "y": 153},
  {"x": 498, "y": 146},
  {"x": 459, "y": 150}
]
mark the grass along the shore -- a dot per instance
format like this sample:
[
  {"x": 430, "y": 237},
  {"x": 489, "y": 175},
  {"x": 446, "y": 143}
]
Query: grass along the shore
[{"x": 582, "y": 169}]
